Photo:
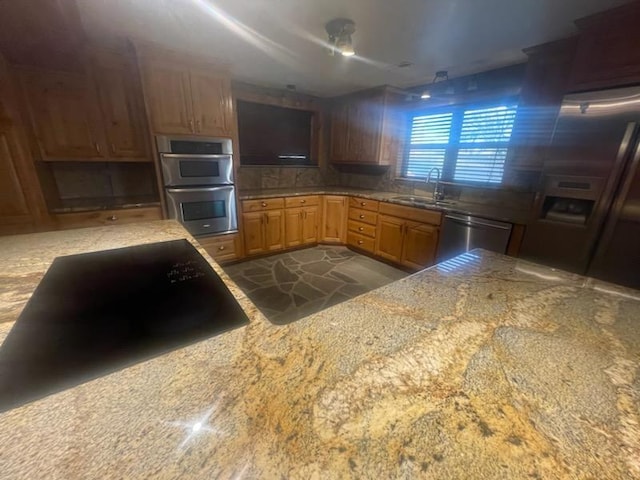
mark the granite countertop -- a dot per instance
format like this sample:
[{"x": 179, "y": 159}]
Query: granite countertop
[
  {"x": 481, "y": 367},
  {"x": 493, "y": 212}
]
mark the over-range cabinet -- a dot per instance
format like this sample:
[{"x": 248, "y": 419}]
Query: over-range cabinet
[
  {"x": 198, "y": 178},
  {"x": 586, "y": 217}
]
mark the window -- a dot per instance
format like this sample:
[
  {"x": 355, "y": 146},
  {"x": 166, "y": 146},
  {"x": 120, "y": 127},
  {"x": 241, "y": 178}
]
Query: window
[{"x": 467, "y": 143}]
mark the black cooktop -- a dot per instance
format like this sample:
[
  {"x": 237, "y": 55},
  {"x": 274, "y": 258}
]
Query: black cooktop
[{"x": 96, "y": 313}]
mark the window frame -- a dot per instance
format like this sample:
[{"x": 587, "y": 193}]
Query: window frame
[{"x": 452, "y": 149}]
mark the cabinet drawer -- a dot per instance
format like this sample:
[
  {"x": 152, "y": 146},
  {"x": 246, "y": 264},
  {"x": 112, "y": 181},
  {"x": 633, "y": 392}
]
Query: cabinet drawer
[
  {"x": 222, "y": 248},
  {"x": 362, "y": 228},
  {"x": 418, "y": 214},
  {"x": 360, "y": 241},
  {"x": 363, "y": 203},
  {"x": 302, "y": 201},
  {"x": 260, "y": 205},
  {"x": 66, "y": 221},
  {"x": 365, "y": 216}
]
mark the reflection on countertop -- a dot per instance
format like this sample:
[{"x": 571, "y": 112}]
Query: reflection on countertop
[
  {"x": 484, "y": 366},
  {"x": 495, "y": 212}
]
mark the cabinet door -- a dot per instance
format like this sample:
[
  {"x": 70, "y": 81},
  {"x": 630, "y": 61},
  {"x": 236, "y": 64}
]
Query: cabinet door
[
  {"x": 168, "y": 94},
  {"x": 212, "y": 103},
  {"x": 310, "y": 221},
  {"x": 253, "y": 232},
  {"x": 365, "y": 117},
  {"x": 339, "y": 132},
  {"x": 389, "y": 237},
  {"x": 65, "y": 115},
  {"x": 293, "y": 226},
  {"x": 15, "y": 215},
  {"x": 274, "y": 230},
  {"x": 334, "y": 213},
  {"x": 419, "y": 245},
  {"x": 122, "y": 111}
]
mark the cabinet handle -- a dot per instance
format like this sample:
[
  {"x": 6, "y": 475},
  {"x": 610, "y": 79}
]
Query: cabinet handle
[
  {"x": 361, "y": 216},
  {"x": 221, "y": 247},
  {"x": 263, "y": 204},
  {"x": 191, "y": 124},
  {"x": 113, "y": 148},
  {"x": 361, "y": 229},
  {"x": 198, "y": 125},
  {"x": 97, "y": 145},
  {"x": 112, "y": 218}
]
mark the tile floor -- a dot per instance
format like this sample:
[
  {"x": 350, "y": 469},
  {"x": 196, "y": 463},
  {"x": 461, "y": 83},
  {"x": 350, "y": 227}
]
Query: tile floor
[{"x": 292, "y": 285}]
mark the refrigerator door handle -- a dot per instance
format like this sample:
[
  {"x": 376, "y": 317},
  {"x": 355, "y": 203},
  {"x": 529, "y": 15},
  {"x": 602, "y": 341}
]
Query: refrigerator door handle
[{"x": 618, "y": 204}]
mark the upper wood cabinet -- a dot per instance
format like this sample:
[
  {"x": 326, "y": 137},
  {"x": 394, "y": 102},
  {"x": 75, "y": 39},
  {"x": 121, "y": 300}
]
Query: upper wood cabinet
[
  {"x": 95, "y": 116},
  {"x": 546, "y": 82},
  {"x": 42, "y": 33},
  {"x": 22, "y": 207},
  {"x": 366, "y": 128},
  {"x": 212, "y": 102},
  {"x": 608, "y": 52},
  {"x": 187, "y": 99},
  {"x": 121, "y": 104},
  {"x": 65, "y": 115}
]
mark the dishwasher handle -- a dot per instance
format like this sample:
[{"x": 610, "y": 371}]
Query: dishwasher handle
[{"x": 476, "y": 222}]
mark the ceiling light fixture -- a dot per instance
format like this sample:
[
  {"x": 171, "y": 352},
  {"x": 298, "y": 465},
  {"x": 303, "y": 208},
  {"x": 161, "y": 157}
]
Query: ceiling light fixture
[
  {"x": 441, "y": 76},
  {"x": 340, "y": 31}
]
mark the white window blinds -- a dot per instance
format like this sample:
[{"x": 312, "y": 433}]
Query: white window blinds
[
  {"x": 468, "y": 144},
  {"x": 429, "y": 141},
  {"x": 484, "y": 138}
]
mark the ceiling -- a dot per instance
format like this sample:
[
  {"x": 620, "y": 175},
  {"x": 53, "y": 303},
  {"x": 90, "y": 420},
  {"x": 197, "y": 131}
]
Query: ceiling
[{"x": 279, "y": 42}]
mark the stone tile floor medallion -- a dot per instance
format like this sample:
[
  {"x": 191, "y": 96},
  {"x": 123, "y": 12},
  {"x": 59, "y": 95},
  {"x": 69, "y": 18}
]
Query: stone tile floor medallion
[{"x": 292, "y": 285}]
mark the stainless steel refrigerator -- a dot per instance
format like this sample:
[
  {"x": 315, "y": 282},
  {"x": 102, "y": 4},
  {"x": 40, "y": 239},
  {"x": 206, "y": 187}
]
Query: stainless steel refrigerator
[{"x": 586, "y": 216}]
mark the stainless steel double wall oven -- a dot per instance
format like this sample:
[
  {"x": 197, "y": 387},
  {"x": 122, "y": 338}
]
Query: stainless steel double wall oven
[{"x": 198, "y": 180}]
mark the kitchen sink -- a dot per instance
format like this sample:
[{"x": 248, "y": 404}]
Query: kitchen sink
[{"x": 422, "y": 200}]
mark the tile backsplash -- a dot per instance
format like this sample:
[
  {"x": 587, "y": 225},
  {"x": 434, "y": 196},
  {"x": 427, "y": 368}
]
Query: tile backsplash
[
  {"x": 279, "y": 177},
  {"x": 291, "y": 177}
]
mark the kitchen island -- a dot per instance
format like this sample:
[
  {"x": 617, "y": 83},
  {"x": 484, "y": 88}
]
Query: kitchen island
[{"x": 484, "y": 366}]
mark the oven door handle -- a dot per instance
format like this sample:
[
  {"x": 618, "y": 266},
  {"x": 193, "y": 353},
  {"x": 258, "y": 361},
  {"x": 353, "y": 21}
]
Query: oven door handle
[
  {"x": 198, "y": 156},
  {"x": 200, "y": 189}
]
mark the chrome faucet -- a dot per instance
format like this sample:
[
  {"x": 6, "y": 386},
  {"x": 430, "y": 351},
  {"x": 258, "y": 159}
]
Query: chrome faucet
[{"x": 437, "y": 193}]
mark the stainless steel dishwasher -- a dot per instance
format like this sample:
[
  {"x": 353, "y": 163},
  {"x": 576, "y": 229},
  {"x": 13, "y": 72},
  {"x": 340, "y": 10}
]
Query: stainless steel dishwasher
[{"x": 461, "y": 233}]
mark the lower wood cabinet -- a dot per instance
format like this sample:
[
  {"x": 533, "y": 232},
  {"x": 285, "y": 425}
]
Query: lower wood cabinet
[
  {"x": 263, "y": 231},
  {"x": 407, "y": 242},
  {"x": 222, "y": 248},
  {"x": 334, "y": 219},
  {"x": 301, "y": 226}
]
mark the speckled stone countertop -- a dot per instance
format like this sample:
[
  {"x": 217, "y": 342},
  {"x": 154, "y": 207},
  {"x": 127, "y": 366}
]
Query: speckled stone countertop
[
  {"x": 481, "y": 367},
  {"x": 493, "y": 212}
]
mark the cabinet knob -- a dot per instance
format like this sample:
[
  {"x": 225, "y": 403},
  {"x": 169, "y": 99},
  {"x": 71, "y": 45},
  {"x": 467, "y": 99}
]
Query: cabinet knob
[
  {"x": 361, "y": 229},
  {"x": 303, "y": 201},
  {"x": 263, "y": 204},
  {"x": 361, "y": 216},
  {"x": 363, "y": 203},
  {"x": 221, "y": 247},
  {"x": 112, "y": 218},
  {"x": 360, "y": 242}
]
